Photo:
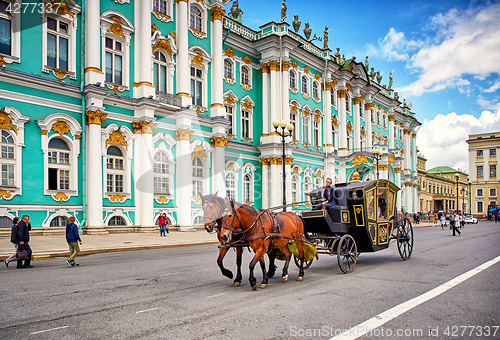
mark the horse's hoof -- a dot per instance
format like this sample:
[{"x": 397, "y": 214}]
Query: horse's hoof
[
  {"x": 254, "y": 287},
  {"x": 236, "y": 284},
  {"x": 263, "y": 285},
  {"x": 300, "y": 278},
  {"x": 284, "y": 278}
]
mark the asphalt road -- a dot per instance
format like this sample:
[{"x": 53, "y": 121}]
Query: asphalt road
[{"x": 179, "y": 293}]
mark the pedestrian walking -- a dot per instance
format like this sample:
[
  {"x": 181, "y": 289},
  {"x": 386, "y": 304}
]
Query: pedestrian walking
[
  {"x": 72, "y": 238},
  {"x": 497, "y": 216},
  {"x": 167, "y": 223},
  {"x": 462, "y": 220},
  {"x": 443, "y": 221},
  {"x": 456, "y": 222},
  {"x": 12, "y": 232},
  {"x": 161, "y": 222},
  {"x": 21, "y": 237}
]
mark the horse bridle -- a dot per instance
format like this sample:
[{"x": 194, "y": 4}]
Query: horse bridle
[
  {"x": 231, "y": 231},
  {"x": 216, "y": 222}
]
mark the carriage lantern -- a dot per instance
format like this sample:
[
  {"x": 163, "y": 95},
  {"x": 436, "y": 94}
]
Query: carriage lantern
[
  {"x": 283, "y": 124},
  {"x": 377, "y": 154}
]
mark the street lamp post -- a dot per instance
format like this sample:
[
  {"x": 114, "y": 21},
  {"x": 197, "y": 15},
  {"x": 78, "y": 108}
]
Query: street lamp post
[
  {"x": 283, "y": 124},
  {"x": 463, "y": 200},
  {"x": 470, "y": 200},
  {"x": 377, "y": 154},
  {"x": 457, "y": 177}
]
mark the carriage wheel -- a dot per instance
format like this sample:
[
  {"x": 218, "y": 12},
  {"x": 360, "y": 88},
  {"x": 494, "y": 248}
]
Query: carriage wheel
[
  {"x": 307, "y": 264},
  {"x": 347, "y": 253},
  {"x": 405, "y": 239}
]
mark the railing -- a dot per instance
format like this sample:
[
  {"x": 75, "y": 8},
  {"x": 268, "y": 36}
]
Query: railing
[
  {"x": 240, "y": 29},
  {"x": 168, "y": 98}
]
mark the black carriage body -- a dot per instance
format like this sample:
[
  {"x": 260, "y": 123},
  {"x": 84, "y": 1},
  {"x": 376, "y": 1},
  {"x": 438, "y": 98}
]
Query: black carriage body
[{"x": 365, "y": 210}]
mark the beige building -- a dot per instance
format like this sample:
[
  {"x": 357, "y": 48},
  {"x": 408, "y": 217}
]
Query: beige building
[
  {"x": 438, "y": 188},
  {"x": 483, "y": 164}
]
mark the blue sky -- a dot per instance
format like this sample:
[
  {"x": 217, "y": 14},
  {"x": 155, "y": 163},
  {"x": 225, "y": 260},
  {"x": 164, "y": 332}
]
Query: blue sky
[{"x": 444, "y": 55}]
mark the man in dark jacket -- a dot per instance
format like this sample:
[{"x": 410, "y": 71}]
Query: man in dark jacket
[
  {"x": 328, "y": 199},
  {"x": 21, "y": 237},
  {"x": 72, "y": 238}
]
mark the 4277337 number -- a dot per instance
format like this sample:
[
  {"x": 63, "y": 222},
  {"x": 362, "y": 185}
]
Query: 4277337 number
[
  {"x": 32, "y": 7},
  {"x": 479, "y": 331}
]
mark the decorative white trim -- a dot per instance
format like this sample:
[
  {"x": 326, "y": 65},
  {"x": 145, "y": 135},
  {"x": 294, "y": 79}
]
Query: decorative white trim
[
  {"x": 206, "y": 166},
  {"x": 118, "y": 212},
  {"x": 203, "y": 33},
  {"x": 15, "y": 56}
]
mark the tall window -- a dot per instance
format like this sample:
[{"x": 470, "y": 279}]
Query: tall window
[
  {"x": 493, "y": 153},
  {"x": 160, "y": 72},
  {"x": 395, "y": 132},
  {"x": 293, "y": 80},
  {"x": 59, "y": 164},
  {"x": 196, "y": 85},
  {"x": 361, "y": 111},
  {"x": 229, "y": 116},
  {"x": 59, "y": 221},
  {"x": 198, "y": 176},
  {"x": 245, "y": 124},
  {"x": 5, "y": 29},
  {"x": 384, "y": 118},
  {"x": 160, "y": 6},
  {"x": 347, "y": 104},
  {"x": 295, "y": 185},
  {"x": 305, "y": 130},
  {"x": 333, "y": 97},
  {"x": 479, "y": 192},
  {"x": 479, "y": 171},
  {"x": 348, "y": 134},
  {"x": 316, "y": 132},
  {"x": 230, "y": 185},
  {"x": 57, "y": 44},
  {"x": 114, "y": 59},
  {"x": 493, "y": 192},
  {"x": 293, "y": 121},
  {"x": 7, "y": 159},
  {"x": 333, "y": 135},
  {"x": 307, "y": 188},
  {"x": 479, "y": 153},
  {"x": 373, "y": 117},
  {"x": 318, "y": 183},
  {"x": 161, "y": 173},
  {"x": 479, "y": 207},
  {"x": 195, "y": 18},
  {"x": 245, "y": 75},
  {"x": 247, "y": 184},
  {"x": 228, "y": 69},
  {"x": 493, "y": 171},
  {"x": 115, "y": 168},
  {"x": 315, "y": 90},
  {"x": 378, "y": 118},
  {"x": 304, "y": 85}
]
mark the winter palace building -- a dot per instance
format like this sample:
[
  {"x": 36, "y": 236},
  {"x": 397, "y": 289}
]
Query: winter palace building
[{"x": 115, "y": 111}]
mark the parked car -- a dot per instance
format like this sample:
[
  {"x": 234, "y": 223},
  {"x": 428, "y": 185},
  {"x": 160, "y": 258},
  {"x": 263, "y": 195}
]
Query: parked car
[{"x": 470, "y": 219}]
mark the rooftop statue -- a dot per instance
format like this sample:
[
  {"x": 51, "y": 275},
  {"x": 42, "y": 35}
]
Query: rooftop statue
[
  {"x": 283, "y": 11},
  {"x": 379, "y": 77},
  {"x": 235, "y": 11},
  {"x": 396, "y": 96},
  {"x": 337, "y": 55},
  {"x": 307, "y": 31},
  {"x": 296, "y": 23},
  {"x": 373, "y": 74},
  {"x": 367, "y": 65},
  {"x": 390, "y": 81},
  {"x": 325, "y": 38}
]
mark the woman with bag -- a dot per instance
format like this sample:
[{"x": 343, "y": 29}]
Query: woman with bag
[
  {"x": 455, "y": 222},
  {"x": 161, "y": 222}
]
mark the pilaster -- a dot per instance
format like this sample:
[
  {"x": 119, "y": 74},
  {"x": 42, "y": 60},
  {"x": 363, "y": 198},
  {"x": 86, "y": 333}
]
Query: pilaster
[
  {"x": 327, "y": 95},
  {"x": 265, "y": 99},
  {"x": 217, "y": 65},
  {"x": 93, "y": 71},
  {"x": 143, "y": 86},
  {"x": 218, "y": 164},
  {"x": 285, "y": 110},
  {"x": 183, "y": 89},
  {"x": 342, "y": 123}
]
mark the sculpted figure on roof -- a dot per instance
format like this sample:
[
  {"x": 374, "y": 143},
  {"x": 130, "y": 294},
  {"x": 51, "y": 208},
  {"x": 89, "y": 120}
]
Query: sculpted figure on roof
[{"x": 283, "y": 11}]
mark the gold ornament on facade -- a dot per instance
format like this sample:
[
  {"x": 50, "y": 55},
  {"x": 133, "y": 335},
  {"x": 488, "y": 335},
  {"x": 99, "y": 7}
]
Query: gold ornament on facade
[
  {"x": 5, "y": 122},
  {"x": 229, "y": 52},
  {"x": 144, "y": 126},
  {"x": 60, "y": 74},
  {"x": 183, "y": 134},
  {"x": 163, "y": 45},
  {"x": 247, "y": 105},
  {"x": 274, "y": 65},
  {"x": 335, "y": 121},
  {"x": 199, "y": 151},
  {"x": 2, "y": 61},
  {"x": 162, "y": 17},
  {"x": 116, "y": 137},
  {"x": 305, "y": 113},
  {"x": 78, "y": 137},
  {"x": 217, "y": 13},
  {"x": 172, "y": 33},
  {"x": 397, "y": 170},
  {"x": 368, "y": 106},
  {"x": 363, "y": 131},
  {"x": 62, "y": 9},
  {"x": 349, "y": 126},
  {"x": 359, "y": 160},
  {"x": 413, "y": 135},
  {"x": 264, "y": 68},
  {"x": 162, "y": 200},
  {"x": 219, "y": 141},
  {"x": 95, "y": 117},
  {"x": 5, "y": 194},
  {"x": 391, "y": 118},
  {"x": 342, "y": 93},
  {"x": 60, "y": 197},
  {"x": 285, "y": 66},
  {"x": 406, "y": 131},
  {"x": 295, "y": 64},
  {"x": 230, "y": 167},
  {"x": 264, "y": 161},
  {"x": 349, "y": 88},
  {"x": 288, "y": 160},
  {"x": 61, "y": 127},
  {"x": 317, "y": 76},
  {"x": 197, "y": 34},
  {"x": 116, "y": 198},
  {"x": 44, "y": 132},
  {"x": 306, "y": 69},
  {"x": 351, "y": 66},
  {"x": 247, "y": 60},
  {"x": 391, "y": 158},
  {"x": 154, "y": 27},
  {"x": 317, "y": 117},
  {"x": 115, "y": 88},
  {"x": 229, "y": 100},
  {"x": 247, "y": 139},
  {"x": 116, "y": 28},
  {"x": 294, "y": 108},
  {"x": 198, "y": 59}
]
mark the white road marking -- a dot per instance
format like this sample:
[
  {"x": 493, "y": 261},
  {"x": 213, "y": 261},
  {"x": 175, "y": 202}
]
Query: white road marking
[
  {"x": 384, "y": 317},
  {"x": 36, "y": 291},
  {"x": 209, "y": 297},
  {"x": 49, "y": 330},
  {"x": 169, "y": 274},
  {"x": 146, "y": 310}
]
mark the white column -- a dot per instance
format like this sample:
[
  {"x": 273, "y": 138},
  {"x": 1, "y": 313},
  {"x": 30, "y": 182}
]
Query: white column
[
  {"x": 288, "y": 170},
  {"x": 93, "y": 71},
  {"x": 182, "y": 54},
  {"x": 217, "y": 106},
  {"x": 342, "y": 123},
  {"x": 368, "y": 124},
  {"x": 265, "y": 99},
  {"x": 275, "y": 183},
  {"x": 143, "y": 175},
  {"x": 327, "y": 110},
  {"x": 94, "y": 173},
  {"x": 285, "y": 98},
  {"x": 184, "y": 185},
  {"x": 356, "y": 127},
  {"x": 143, "y": 86},
  {"x": 274, "y": 66},
  {"x": 407, "y": 148},
  {"x": 391, "y": 130},
  {"x": 416, "y": 200},
  {"x": 265, "y": 182},
  {"x": 218, "y": 165}
]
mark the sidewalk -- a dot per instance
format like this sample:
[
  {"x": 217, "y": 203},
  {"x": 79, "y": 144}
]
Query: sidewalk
[{"x": 56, "y": 246}]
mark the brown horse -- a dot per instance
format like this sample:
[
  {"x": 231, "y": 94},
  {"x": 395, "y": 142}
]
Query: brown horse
[{"x": 263, "y": 232}]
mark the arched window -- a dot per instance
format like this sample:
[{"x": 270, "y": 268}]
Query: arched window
[
  {"x": 195, "y": 18},
  {"x": 307, "y": 188},
  {"x": 160, "y": 72},
  {"x": 305, "y": 130},
  {"x": 348, "y": 134},
  {"x": 5, "y": 222},
  {"x": 116, "y": 221},
  {"x": 199, "y": 220},
  {"x": 384, "y": 118},
  {"x": 293, "y": 80},
  {"x": 114, "y": 60},
  {"x": 333, "y": 97},
  {"x": 161, "y": 173},
  {"x": 295, "y": 185},
  {"x": 196, "y": 85},
  {"x": 316, "y": 132},
  {"x": 293, "y": 121},
  {"x": 160, "y": 6},
  {"x": 361, "y": 111},
  {"x": 245, "y": 75},
  {"x": 59, "y": 164},
  {"x": 198, "y": 176},
  {"x": 115, "y": 169},
  {"x": 378, "y": 117},
  {"x": 305, "y": 88},
  {"x": 229, "y": 116},
  {"x": 230, "y": 185},
  {"x": 59, "y": 221},
  {"x": 395, "y": 132},
  {"x": 247, "y": 188},
  {"x": 347, "y": 104},
  {"x": 228, "y": 69},
  {"x": 245, "y": 124},
  {"x": 7, "y": 159},
  {"x": 318, "y": 182},
  {"x": 315, "y": 90}
]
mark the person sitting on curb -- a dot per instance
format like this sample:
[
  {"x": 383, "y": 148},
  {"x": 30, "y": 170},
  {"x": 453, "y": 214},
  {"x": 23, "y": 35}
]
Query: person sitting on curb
[{"x": 72, "y": 238}]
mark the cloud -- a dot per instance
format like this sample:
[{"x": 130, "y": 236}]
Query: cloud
[
  {"x": 465, "y": 42},
  {"x": 442, "y": 140},
  {"x": 493, "y": 87}
]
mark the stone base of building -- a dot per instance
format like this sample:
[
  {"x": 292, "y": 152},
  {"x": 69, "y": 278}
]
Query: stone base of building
[{"x": 95, "y": 230}]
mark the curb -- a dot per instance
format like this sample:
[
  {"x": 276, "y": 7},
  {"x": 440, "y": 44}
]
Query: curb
[{"x": 40, "y": 256}]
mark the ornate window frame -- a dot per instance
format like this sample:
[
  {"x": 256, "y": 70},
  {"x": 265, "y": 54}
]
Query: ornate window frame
[
  {"x": 306, "y": 94},
  {"x": 200, "y": 34},
  {"x": 166, "y": 142},
  {"x": 15, "y": 37},
  {"x": 248, "y": 169},
  {"x": 247, "y": 104},
  {"x": 164, "y": 17},
  {"x": 167, "y": 46},
  {"x": 61, "y": 125},
  {"x": 248, "y": 86},
  {"x": 200, "y": 59},
  {"x": 202, "y": 150},
  {"x": 316, "y": 87},
  {"x": 230, "y": 100},
  {"x": 232, "y": 167},
  {"x": 307, "y": 176},
  {"x": 295, "y": 89},
  {"x": 230, "y": 80},
  {"x": 118, "y": 213}
]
